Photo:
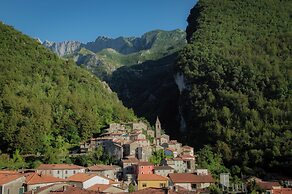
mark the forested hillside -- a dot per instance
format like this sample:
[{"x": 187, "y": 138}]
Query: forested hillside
[
  {"x": 150, "y": 89},
  {"x": 47, "y": 102},
  {"x": 237, "y": 70}
]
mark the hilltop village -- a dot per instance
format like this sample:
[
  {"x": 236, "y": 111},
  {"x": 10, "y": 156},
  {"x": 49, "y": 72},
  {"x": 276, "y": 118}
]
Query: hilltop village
[{"x": 132, "y": 146}]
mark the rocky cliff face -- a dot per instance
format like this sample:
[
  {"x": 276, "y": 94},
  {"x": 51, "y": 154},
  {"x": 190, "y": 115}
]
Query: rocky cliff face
[{"x": 63, "y": 48}]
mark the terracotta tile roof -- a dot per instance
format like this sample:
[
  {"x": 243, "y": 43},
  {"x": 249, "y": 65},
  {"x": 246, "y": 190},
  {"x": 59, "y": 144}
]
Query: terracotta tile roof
[
  {"x": 145, "y": 164},
  {"x": 58, "y": 166},
  {"x": 99, "y": 187},
  {"x": 190, "y": 178},
  {"x": 161, "y": 191},
  {"x": 187, "y": 157},
  {"x": 8, "y": 172},
  {"x": 102, "y": 167},
  {"x": 282, "y": 191},
  {"x": 35, "y": 178},
  {"x": 81, "y": 177},
  {"x": 151, "y": 177},
  {"x": 268, "y": 185},
  {"x": 187, "y": 147},
  {"x": 73, "y": 190},
  {"x": 166, "y": 167},
  {"x": 6, "y": 178},
  {"x": 177, "y": 159},
  {"x": 130, "y": 160}
]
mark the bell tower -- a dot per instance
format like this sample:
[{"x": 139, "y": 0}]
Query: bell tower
[{"x": 157, "y": 128}]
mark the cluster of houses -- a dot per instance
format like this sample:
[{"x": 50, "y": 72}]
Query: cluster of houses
[{"x": 131, "y": 145}]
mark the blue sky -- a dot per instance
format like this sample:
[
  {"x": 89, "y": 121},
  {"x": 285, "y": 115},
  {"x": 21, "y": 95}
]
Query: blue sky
[{"x": 84, "y": 20}]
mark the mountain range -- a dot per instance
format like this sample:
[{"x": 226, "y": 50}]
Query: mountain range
[{"x": 105, "y": 55}]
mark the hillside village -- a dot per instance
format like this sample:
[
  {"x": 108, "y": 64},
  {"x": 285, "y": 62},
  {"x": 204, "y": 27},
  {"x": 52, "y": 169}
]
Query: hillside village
[{"x": 131, "y": 145}]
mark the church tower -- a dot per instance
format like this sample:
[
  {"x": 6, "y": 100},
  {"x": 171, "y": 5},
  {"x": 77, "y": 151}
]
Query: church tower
[{"x": 157, "y": 128}]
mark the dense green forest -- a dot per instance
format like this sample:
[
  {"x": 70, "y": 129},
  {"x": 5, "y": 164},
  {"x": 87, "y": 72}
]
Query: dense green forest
[
  {"x": 48, "y": 104},
  {"x": 238, "y": 75}
]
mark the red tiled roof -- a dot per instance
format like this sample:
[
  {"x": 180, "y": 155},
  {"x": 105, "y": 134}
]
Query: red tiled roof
[
  {"x": 187, "y": 157},
  {"x": 166, "y": 167},
  {"x": 190, "y": 178},
  {"x": 99, "y": 187},
  {"x": 102, "y": 167},
  {"x": 81, "y": 177},
  {"x": 282, "y": 191},
  {"x": 35, "y": 178},
  {"x": 58, "y": 166},
  {"x": 130, "y": 160},
  {"x": 8, "y": 172},
  {"x": 151, "y": 177},
  {"x": 145, "y": 164},
  {"x": 6, "y": 178},
  {"x": 187, "y": 147},
  {"x": 73, "y": 190},
  {"x": 268, "y": 185}
]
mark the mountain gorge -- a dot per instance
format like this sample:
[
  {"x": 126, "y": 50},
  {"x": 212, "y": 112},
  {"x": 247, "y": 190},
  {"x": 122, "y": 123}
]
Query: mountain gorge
[{"x": 140, "y": 70}]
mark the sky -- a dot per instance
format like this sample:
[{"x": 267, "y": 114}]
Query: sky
[{"x": 84, "y": 20}]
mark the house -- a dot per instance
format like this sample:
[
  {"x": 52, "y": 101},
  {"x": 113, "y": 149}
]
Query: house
[
  {"x": 137, "y": 135},
  {"x": 177, "y": 164},
  {"x": 35, "y": 181},
  {"x": 128, "y": 166},
  {"x": 109, "y": 171},
  {"x": 129, "y": 148},
  {"x": 139, "y": 126},
  {"x": 106, "y": 188},
  {"x": 268, "y": 186},
  {"x": 144, "y": 168},
  {"x": 11, "y": 183},
  {"x": 190, "y": 181},
  {"x": 151, "y": 180},
  {"x": 282, "y": 191},
  {"x": 189, "y": 162},
  {"x": 187, "y": 150},
  {"x": 174, "y": 145},
  {"x": 86, "y": 180},
  {"x": 62, "y": 189},
  {"x": 115, "y": 127},
  {"x": 150, "y": 132},
  {"x": 143, "y": 153},
  {"x": 60, "y": 170},
  {"x": 163, "y": 170}
]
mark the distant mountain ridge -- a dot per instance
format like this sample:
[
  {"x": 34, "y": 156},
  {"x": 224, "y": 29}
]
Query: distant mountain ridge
[
  {"x": 104, "y": 55},
  {"x": 123, "y": 45}
]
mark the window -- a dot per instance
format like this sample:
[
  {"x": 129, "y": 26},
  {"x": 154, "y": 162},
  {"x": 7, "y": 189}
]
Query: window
[
  {"x": 194, "y": 186},
  {"x": 162, "y": 185},
  {"x": 144, "y": 185},
  {"x": 66, "y": 172},
  {"x": 21, "y": 190},
  {"x": 8, "y": 192},
  {"x": 58, "y": 172},
  {"x": 74, "y": 172}
]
